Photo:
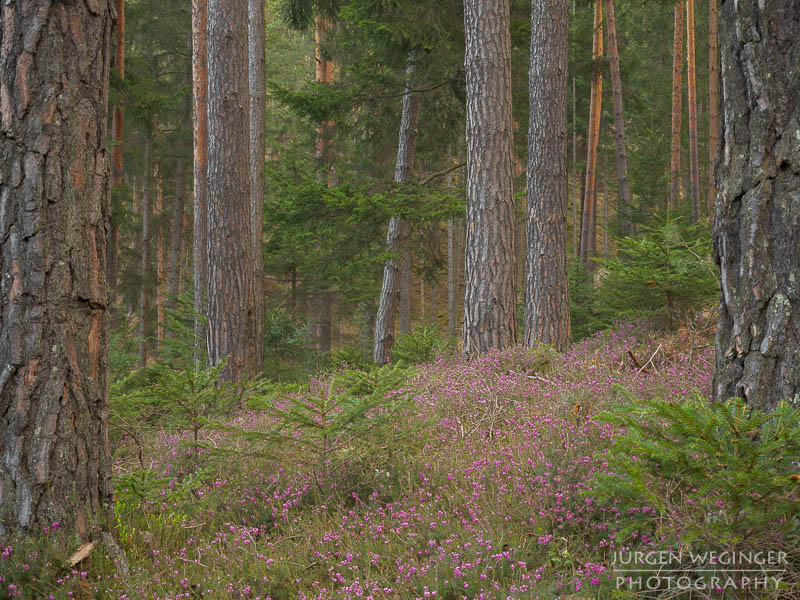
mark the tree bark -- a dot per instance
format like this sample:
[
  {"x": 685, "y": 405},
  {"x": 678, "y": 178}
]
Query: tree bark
[
  {"x": 258, "y": 99},
  {"x": 694, "y": 165},
  {"x": 452, "y": 278},
  {"x": 54, "y": 223},
  {"x": 397, "y": 236},
  {"x": 595, "y": 113},
  {"x": 546, "y": 281},
  {"x": 144, "y": 266},
  {"x": 161, "y": 245},
  {"x": 624, "y": 192},
  {"x": 176, "y": 241},
  {"x": 116, "y": 135},
  {"x": 200, "y": 167},
  {"x": 677, "y": 108},
  {"x": 758, "y": 204},
  {"x": 231, "y": 290},
  {"x": 576, "y": 195},
  {"x": 713, "y": 101},
  {"x": 490, "y": 298}
]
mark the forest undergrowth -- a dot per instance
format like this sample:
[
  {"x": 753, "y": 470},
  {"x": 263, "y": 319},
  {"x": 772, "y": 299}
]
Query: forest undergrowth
[{"x": 460, "y": 478}]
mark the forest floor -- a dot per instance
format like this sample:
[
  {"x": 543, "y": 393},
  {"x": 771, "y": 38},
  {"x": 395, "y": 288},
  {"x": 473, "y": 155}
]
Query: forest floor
[{"x": 476, "y": 490}]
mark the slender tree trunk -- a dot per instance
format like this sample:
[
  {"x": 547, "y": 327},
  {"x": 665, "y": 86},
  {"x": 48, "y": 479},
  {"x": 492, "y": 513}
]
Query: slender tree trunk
[
  {"x": 258, "y": 99},
  {"x": 452, "y": 278},
  {"x": 624, "y": 193},
  {"x": 405, "y": 289},
  {"x": 177, "y": 234},
  {"x": 694, "y": 165},
  {"x": 677, "y": 108},
  {"x": 116, "y": 135},
  {"x": 713, "y": 101},
  {"x": 490, "y": 298},
  {"x": 55, "y": 460},
  {"x": 161, "y": 299},
  {"x": 546, "y": 281},
  {"x": 595, "y": 113},
  {"x": 758, "y": 204},
  {"x": 231, "y": 290},
  {"x": 605, "y": 206},
  {"x": 200, "y": 167},
  {"x": 397, "y": 236},
  {"x": 144, "y": 268}
]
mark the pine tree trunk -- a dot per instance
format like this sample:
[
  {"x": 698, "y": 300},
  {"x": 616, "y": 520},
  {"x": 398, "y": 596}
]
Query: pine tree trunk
[
  {"x": 758, "y": 204},
  {"x": 200, "y": 167},
  {"x": 55, "y": 461},
  {"x": 490, "y": 298},
  {"x": 713, "y": 101},
  {"x": 694, "y": 165},
  {"x": 677, "y": 108},
  {"x": 144, "y": 267},
  {"x": 231, "y": 289},
  {"x": 405, "y": 289},
  {"x": 595, "y": 113},
  {"x": 116, "y": 135},
  {"x": 161, "y": 246},
  {"x": 576, "y": 195},
  {"x": 258, "y": 99},
  {"x": 176, "y": 237},
  {"x": 624, "y": 193},
  {"x": 397, "y": 236},
  {"x": 452, "y": 278},
  {"x": 546, "y": 281}
]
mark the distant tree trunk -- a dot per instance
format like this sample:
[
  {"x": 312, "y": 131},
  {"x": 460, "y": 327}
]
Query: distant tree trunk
[
  {"x": 161, "y": 245},
  {"x": 595, "y": 112},
  {"x": 546, "y": 281},
  {"x": 452, "y": 278},
  {"x": 694, "y": 165},
  {"x": 490, "y": 298},
  {"x": 405, "y": 289},
  {"x": 397, "y": 236},
  {"x": 177, "y": 234},
  {"x": 258, "y": 100},
  {"x": 677, "y": 108},
  {"x": 116, "y": 135},
  {"x": 713, "y": 101},
  {"x": 605, "y": 206},
  {"x": 144, "y": 269},
  {"x": 758, "y": 205},
  {"x": 200, "y": 202},
  {"x": 231, "y": 290},
  {"x": 624, "y": 193},
  {"x": 56, "y": 462}
]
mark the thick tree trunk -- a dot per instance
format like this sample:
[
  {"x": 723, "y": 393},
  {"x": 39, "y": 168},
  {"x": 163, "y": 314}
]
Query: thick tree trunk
[
  {"x": 54, "y": 223},
  {"x": 546, "y": 281},
  {"x": 176, "y": 238},
  {"x": 116, "y": 135},
  {"x": 490, "y": 298},
  {"x": 258, "y": 99},
  {"x": 713, "y": 101},
  {"x": 231, "y": 290},
  {"x": 694, "y": 164},
  {"x": 677, "y": 108},
  {"x": 758, "y": 204},
  {"x": 624, "y": 192},
  {"x": 397, "y": 236},
  {"x": 144, "y": 266},
  {"x": 595, "y": 113},
  {"x": 200, "y": 166}
]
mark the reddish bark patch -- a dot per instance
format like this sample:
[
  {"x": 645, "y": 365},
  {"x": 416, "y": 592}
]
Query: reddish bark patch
[{"x": 23, "y": 68}]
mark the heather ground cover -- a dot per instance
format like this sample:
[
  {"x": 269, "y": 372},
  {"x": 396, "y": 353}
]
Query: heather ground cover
[{"x": 477, "y": 490}]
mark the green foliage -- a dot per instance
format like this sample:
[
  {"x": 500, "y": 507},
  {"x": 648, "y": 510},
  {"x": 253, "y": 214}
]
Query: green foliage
[
  {"x": 582, "y": 299},
  {"x": 285, "y": 344},
  {"x": 421, "y": 345},
  {"x": 716, "y": 475},
  {"x": 342, "y": 432}
]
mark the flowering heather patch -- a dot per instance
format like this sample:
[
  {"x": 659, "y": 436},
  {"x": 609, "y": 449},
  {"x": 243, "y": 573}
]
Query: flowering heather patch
[{"x": 490, "y": 504}]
